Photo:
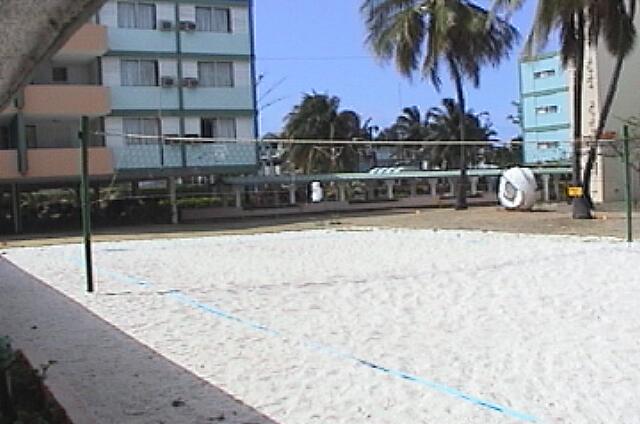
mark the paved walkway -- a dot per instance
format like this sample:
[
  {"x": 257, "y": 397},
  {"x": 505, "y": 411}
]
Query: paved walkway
[{"x": 99, "y": 374}]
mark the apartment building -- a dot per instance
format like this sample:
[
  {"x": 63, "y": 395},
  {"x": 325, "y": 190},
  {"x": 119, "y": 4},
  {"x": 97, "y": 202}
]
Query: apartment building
[
  {"x": 547, "y": 109},
  {"x": 140, "y": 69}
]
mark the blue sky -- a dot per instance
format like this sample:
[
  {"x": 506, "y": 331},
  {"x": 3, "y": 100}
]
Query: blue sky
[{"x": 306, "y": 45}]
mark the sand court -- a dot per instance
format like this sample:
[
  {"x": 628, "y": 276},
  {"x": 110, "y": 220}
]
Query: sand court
[{"x": 380, "y": 326}]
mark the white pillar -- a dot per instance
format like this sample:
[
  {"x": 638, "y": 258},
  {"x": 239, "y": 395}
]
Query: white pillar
[
  {"x": 238, "y": 191},
  {"x": 452, "y": 187},
  {"x": 545, "y": 188},
  {"x": 342, "y": 191},
  {"x": 292, "y": 194},
  {"x": 414, "y": 188},
  {"x": 433, "y": 187},
  {"x": 390, "y": 185},
  {"x": 474, "y": 185},
  {"x": 173, "y": 199}
]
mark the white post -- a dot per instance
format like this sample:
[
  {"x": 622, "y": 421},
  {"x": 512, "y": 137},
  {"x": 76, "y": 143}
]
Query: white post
[
  {"x": 342, "y": 190},
  {"x": 545, "y": 188},
  {"x": 433, "y": 187},
  {"x": 238, "y": 190},
  {"x": 173, "y": 199},
  {"x": 390, "y": 184},
  {"x": 452, "y": 187},
  {"x": 474, "y": 185},
  {"x": 292, "y": 194}
]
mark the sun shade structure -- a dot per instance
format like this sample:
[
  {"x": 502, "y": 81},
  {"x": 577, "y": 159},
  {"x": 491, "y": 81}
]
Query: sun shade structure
[{"x": 33, "y": 30}]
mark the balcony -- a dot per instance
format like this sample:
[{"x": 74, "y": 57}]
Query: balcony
[
  {"x": 89, "y": 42},
  {"x": 216, "y": 43},
  {"x": 139, "y": 40},
  {"x": 210, "y": 155},
  {"x": 66, "y": 100},
  {"x": 207, "y": 98},
  {"x": 47, "y": 164},
  {"x": 144, "y": 98}
]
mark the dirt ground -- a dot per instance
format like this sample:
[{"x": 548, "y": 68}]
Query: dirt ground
[{"x": 550, "y": 219}]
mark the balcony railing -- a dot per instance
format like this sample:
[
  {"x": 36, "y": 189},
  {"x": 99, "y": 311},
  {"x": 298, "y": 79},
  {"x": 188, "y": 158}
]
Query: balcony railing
[
  {"x": 201, "y": 155},
  {"x": 55, "y": 163},
  {"x": 66, "y": 100}
]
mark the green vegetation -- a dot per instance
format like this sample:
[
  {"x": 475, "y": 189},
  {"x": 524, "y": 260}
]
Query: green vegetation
[
  {"x": 318, "y": 117},
  {"x": 23, "y": 397}
]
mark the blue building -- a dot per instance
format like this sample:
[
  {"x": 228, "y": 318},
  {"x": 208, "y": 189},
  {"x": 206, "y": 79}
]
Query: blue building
[
  {"x": 166, "y": 71},
  {"x": 547, "y": 109},
  {"x": 180, "y": 68}
]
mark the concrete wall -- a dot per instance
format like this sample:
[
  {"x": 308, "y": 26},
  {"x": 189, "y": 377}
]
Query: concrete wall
[{"x": 608, "y": 175}]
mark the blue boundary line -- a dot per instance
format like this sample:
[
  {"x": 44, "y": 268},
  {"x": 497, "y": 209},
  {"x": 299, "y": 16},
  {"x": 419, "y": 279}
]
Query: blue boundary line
[{"x": 319, "y": 347}]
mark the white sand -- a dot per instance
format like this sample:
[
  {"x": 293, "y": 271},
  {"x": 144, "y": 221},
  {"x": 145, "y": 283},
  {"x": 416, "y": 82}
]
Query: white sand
[{"x": 548, "y": 327}]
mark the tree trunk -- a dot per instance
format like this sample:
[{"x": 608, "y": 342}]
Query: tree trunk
[
  {"x": 604, "y": 115},
  {"x": 461, "y": 198},
  {"x": 581, "y": 209}
]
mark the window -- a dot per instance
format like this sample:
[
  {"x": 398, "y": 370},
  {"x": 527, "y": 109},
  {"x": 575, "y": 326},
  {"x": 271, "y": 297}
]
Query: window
[
  {"x": 548, "y": 73},
  {"x": 215, "y": 74},
  {"x": 136, "y": 15},
  {"x": 543, "y": 110},
  {"x": 141, "y": 126},
  {"x": 548, "y": 145},
  {"x": 59, "y": 74},
  {"x": 213, "y": 19},
  {"x": 139, "y": 72},
  {"x": 218, "y": 128}
]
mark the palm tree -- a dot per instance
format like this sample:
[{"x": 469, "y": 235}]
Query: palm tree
[
  {"x": 425, "y": 35},
  {"x": 318, "y": 117},
  {"x": 443, "y": 124},
  {"x": 580, "y": 22}
]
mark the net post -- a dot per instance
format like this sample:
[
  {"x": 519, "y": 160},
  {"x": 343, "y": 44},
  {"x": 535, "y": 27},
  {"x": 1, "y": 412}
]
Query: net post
[
  {"x": 627, "y": 186},
  {"x": 86, "y": 202}
]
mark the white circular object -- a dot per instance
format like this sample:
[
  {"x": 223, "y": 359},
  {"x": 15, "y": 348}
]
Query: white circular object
[
  {"x": 316, "y": 192},
  {"x": 518, "y": 189}
]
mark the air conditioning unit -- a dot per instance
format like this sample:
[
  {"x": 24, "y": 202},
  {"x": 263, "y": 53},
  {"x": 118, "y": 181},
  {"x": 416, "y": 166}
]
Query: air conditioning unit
[
  {"x": 167, "y": 82},
  {"x": 166, "y": 26},
  {"x": 190, "y": 82},
  {"x": 187, "y": 26}
]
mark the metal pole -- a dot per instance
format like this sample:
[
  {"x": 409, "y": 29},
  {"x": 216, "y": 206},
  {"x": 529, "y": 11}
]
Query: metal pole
[
  {"x": 627, "y": 185},
  {"x": 86, "y": 203}
]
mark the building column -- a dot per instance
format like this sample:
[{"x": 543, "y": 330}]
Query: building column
[
  {"x": 15, "y": 209},
  {"x": 452, "y": 187},
  {"x": 173, "y": 200},
  {"x": 342, "y": 192},
  {"x": 474, "y": 185},
  {"x": 390, "y": 185},
  {"x": 238, "y": 191},
  {"x": 433, "y": 187},
  {"x": 545, "y": 188},
  {"x": 292, "y": 194},
  {"x": 414, "y": 188}
]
